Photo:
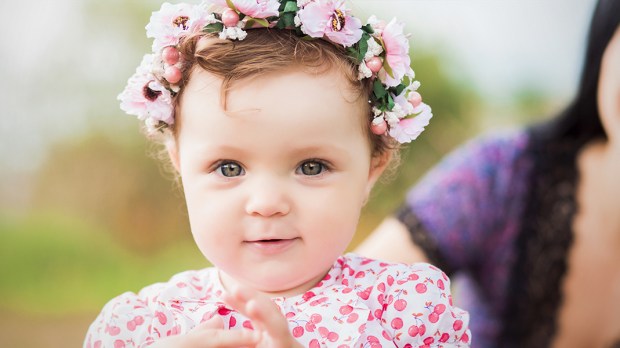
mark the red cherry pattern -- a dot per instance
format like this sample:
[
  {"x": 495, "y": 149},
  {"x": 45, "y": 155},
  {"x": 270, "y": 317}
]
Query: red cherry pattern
[{"x": 359, "y": 303}]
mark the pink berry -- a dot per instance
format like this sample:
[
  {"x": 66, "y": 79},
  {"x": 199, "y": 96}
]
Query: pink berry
[
  {"x": 379, "y": 128},
  {"x": 114, "y": 330},
  {"x": 444, "y": 337},
  {"x": 429, "y": 340},
  {"x": 458, "y": 324},
  {"x": 230, "y": 18},
  {"x": 422, "y": 329},
  {"x": 378, "y": 313},
  {"x": 332, "y": 337},
  {"x": 440, "y": 284},
  {"x": 440, "y": 308},
  {"x": 465, "y": 338},
  {"x": 315, "y": 343},
  {"x": 131, "y": 325},
  {"x": 352, "y": 318},
  {"x": 232, "y": 321},
  {"x": 298, "y": 331},
  {"x": 433, "y": 317},
  {"x": 415, "y": 98},
  {"x": 413, "y": 330},
  {"x": 248, "y": 325},
  {"x": 323, "y": 331},
  {"x": 381, "y": 286},
  {"x": 374, "y": 64},
  {"x": 420, "y": 288},
  {"x": 170, "y": 55},
  {"x": 119, "y": 344},
  {"x": 308, "y": 295},
  {"x": 397, "y": 323},
  {"x": 390, "y": 280},
  {"x": 310, "y": 327},
  {"x": 346, "y": 309},
  {"x": 400, "y": 305},
  {"x": 139, "y": 320},
  {"x": 316, "y": 318},
  {"x": 172, "y": 74}
]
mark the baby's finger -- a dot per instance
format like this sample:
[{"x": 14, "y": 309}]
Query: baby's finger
[
  {"x": 213, "y": 323},
  {"x": 262, "y": 310}
]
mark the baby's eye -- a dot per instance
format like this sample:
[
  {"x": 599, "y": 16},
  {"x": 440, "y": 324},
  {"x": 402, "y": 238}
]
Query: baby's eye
[
  {"x": 230, "y": 169},
  {"x": 311, "y": 168}
]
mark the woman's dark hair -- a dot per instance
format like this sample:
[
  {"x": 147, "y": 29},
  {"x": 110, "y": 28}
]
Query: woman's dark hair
[{"x": 580, "y": 121}]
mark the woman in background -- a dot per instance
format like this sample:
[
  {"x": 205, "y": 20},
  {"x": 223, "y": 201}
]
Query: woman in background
[{"x": 531, "y": 218}]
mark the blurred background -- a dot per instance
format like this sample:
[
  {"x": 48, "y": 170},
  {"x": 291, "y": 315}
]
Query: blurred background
[{"x": 87, "y": 212}]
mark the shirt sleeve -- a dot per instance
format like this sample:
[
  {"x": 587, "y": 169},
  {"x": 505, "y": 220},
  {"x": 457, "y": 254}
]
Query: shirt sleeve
[
  {"x": 129, "y": 321},
  {"x": 418, "y": 310},
  {"x": 462, "y": 206}
]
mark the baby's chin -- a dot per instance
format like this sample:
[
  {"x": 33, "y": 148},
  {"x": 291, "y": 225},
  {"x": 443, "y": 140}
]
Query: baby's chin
[{"x": 277, "y": 285}]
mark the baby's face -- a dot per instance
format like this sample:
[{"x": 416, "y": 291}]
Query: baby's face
[{"x": 274, "y": 186}]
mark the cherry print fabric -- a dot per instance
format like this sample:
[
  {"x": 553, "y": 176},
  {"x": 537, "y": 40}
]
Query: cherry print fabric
[{"x": 359, "y": 303}]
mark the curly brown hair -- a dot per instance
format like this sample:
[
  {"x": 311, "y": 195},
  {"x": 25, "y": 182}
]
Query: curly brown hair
[{"x": 267, "y": 50}]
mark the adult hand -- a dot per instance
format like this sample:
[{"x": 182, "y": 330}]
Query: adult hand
[
  {"x": 211, "y": 334},
  {"x": 265, "y": 316}
]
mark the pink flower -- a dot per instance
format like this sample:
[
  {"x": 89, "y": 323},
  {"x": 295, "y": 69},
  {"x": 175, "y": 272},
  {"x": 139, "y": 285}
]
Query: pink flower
[
  {"x": 253, "y": 8},
  {"x": 171, "y": 22},
  {"x": 330, "y": 18},
  {"x": 145, "y": 97},
  {"x": 409, "y": 129},
  {"x": 397, "y": 53}
]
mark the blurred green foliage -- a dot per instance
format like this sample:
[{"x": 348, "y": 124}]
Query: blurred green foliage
[{"x": 106, "y": 217}]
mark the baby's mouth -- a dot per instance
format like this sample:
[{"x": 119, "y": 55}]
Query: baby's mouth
[{"x": 271, "y": 246}]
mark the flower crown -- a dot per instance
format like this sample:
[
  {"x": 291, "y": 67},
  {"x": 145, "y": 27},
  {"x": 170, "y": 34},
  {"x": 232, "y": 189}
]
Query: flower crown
[{"x": 381, "y": 51}]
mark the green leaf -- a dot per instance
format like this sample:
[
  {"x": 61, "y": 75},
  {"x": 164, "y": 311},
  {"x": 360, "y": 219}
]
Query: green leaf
[
  {"x": 399, "y": 89},
  {"x": 368, "y": 29},
  {"x": 250, "y": 23},
  {"x": 390, "y": 103},
  {"x": 387, "y": 68},
  {"x": 287, "y": 20},
  {"x": 363, "y": 46},
  {"x": 231, "y": 5},
  {"x": 213, "y": 28},
  {"x": 290, "y": 6},
  {"x": 378, "y": 89}
]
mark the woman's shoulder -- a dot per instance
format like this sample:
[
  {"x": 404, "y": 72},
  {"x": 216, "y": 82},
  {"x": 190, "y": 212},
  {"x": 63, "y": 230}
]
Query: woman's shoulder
[{"x": 499, "y": 146}]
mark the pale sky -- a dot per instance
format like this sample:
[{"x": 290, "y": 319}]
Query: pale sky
[{"x": 501, "y": 44}]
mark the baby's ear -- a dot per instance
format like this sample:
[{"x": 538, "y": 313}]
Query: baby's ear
[
  {"x": 173, "y": 153},
  {"x": 378, "y": 164}
]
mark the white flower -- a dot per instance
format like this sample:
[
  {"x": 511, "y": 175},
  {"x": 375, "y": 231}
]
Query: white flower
[
  {"x": 374, "y": 49},
  {"x": 363, "y": 71},
  {"x": 233, "y": 33}
]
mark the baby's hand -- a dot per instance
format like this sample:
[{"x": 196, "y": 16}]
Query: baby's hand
[
  {"x": 211, "y": 334},
  {"x": 265, "y": 316}
]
